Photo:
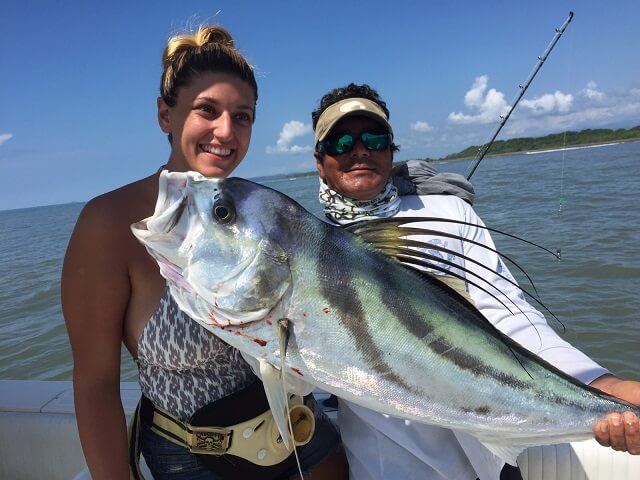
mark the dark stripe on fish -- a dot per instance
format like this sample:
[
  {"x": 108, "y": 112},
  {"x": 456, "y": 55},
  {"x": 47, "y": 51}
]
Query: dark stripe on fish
[
  {"x": 483, "y": 410},
  {"x": 417, "y": 325},
  {"x": 338, "y": 290}
]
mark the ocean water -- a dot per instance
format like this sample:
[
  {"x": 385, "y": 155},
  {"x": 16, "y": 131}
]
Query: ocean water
[{"x": 581, "y": 202}]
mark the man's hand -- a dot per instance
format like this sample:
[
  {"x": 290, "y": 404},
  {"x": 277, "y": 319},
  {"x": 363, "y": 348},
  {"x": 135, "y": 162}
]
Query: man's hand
[{"x": 620, "y": 431}]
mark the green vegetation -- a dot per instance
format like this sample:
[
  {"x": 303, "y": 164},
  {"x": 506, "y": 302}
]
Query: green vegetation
[{"x": 556, "y": 140}]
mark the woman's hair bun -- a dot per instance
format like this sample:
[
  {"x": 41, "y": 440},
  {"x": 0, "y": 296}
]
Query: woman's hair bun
[
  {"x": 209, "y": 49},
  {"x": 213, "y": 34}
]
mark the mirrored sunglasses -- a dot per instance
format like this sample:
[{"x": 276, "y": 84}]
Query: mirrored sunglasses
[{"x": 344, "y": 143}]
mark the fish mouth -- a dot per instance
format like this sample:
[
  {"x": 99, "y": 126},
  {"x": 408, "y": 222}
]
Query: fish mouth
[
  {"x": 172, "y": 272},
  {"x": 219, "y": 315}
]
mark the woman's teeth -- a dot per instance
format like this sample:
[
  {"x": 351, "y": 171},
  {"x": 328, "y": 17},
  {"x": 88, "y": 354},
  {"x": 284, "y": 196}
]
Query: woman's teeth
[{"x": 216, "y": 150}]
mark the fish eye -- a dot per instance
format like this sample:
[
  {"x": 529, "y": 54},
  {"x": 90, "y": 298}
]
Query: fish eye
[{"x": 223, "y": 212}]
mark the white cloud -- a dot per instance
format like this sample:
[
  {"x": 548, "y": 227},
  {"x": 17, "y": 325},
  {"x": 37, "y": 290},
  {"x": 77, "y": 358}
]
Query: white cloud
[
  {"x": 290, "y": 131},
  {"x": 4, "y": 137},
  {"x": 485, "y": 107},
  {"x": 612, "y": 107},
  {"x": 542, "y": 115},
  {"x": 422, "y": 127},
  {"x": 591, "y": 92},
  {"x": 549, "y": 103},
  {"x": 474, "y": 97}
]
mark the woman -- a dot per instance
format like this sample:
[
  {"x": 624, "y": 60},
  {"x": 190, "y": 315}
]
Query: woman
[
  {"x": 112, "y": 292},
  {"x": 354, "y": 156}
]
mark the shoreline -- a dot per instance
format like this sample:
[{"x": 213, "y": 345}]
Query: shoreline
[
  {"x": 541, "y": 150},
  {"x": 291, "y": 176}
]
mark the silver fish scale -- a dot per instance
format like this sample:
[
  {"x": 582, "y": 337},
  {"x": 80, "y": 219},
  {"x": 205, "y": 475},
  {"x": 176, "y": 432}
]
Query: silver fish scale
[{"x": 363, "y": 326}]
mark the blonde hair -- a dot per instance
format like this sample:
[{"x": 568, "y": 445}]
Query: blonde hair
[{"x": 210, "y": 49}]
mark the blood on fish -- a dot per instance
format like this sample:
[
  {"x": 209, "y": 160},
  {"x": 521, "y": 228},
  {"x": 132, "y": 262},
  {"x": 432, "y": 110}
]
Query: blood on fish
[
  {"x": 297, "y": 371},
  {"x": 325, "y": 309},
  {"x": 215, "y": 320},
  {"x": 260, "y": 342}
]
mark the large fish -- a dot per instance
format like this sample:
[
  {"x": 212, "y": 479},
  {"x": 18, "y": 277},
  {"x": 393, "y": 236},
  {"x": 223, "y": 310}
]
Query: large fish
[{"x": 266, "y": 276}]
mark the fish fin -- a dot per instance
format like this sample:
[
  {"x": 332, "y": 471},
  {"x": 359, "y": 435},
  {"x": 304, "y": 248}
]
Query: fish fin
[
  {"x": 389, "y": 235},
  {"x": 486, "y": 464},
  {"x": 292, "y": 384},
  {"x": 396, "y": 222},
  {"x": 508, "y": 453},
  {"x": 391, "y": 238},
  {"x": 298, "y": 386},
  {"x": 276, "y": 397},
  {"x": 284, "y": 333}
]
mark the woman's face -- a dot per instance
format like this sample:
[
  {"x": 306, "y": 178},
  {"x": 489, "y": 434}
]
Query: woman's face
[
  {"x": 210, "y": 124},
  {"x": 360, "y": 174}
]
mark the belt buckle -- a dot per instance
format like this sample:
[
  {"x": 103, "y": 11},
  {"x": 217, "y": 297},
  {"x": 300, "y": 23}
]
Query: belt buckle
[{"x": 209, "y": 440}]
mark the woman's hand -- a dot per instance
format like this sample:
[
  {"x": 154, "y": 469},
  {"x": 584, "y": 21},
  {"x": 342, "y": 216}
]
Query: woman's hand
[{"x": 620, "y": 431}]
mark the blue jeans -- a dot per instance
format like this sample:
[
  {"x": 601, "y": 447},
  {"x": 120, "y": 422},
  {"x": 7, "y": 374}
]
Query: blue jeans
[{"x": 167, "y": 460}]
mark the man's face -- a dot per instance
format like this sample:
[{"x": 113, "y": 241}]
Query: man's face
[{"x": 360, "y": 174}]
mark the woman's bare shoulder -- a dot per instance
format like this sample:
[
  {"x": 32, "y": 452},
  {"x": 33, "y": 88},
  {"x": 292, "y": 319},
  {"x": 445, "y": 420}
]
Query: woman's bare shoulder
[{"x": 110, "y": 212}]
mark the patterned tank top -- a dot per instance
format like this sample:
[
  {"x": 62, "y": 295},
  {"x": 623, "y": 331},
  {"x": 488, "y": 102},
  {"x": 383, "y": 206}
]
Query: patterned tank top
[{"x": 183, "y": 367}]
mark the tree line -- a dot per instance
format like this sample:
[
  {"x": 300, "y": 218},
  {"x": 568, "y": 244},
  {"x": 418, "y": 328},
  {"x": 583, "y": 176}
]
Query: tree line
[{"x": 588, "y": 136}]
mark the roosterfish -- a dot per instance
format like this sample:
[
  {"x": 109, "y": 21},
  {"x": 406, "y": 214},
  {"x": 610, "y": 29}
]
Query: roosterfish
[{"x": 312, "y": 304}]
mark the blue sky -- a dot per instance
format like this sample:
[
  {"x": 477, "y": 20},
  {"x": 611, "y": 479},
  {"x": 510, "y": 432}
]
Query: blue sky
[{"x": 79, "y": 79}]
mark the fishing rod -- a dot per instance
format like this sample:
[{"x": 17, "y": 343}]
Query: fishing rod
[{"x": 523, "y": 88}]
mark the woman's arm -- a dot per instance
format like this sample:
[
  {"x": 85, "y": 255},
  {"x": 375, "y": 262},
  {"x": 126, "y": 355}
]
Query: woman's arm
[{"x": 95, "y": 293}]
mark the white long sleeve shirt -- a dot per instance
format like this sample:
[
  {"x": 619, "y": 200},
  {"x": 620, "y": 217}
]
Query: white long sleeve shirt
[{"x": 381, "y": 447}]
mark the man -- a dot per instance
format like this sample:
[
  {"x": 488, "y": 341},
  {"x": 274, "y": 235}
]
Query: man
[{"x": 354, "y": 155}]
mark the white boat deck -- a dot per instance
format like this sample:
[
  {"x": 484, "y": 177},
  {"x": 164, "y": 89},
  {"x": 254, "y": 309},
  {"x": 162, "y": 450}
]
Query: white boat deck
[
  {"x": 38, "y": 432},
  {"x": 39, "y": 440}
]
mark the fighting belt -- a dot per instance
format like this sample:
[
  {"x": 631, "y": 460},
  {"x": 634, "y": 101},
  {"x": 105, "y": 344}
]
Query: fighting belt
[
  {"x": 224, "y": 440},
  {"x": 257, "y": 440}
]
